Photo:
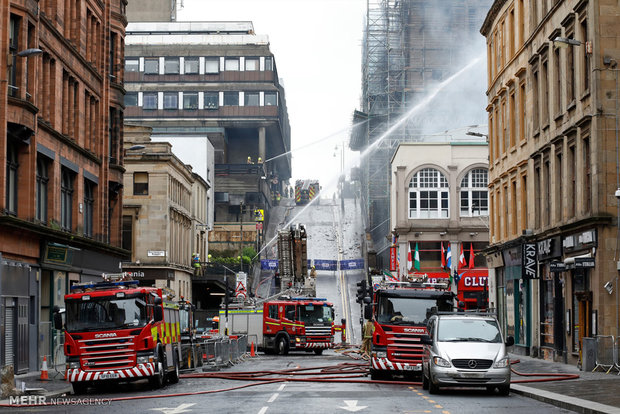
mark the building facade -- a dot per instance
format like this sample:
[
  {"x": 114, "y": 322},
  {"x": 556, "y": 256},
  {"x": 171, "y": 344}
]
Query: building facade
[
  {"x": 216, "y": 80},
  {"x": 164, "y": 214},
  {"x": 553, "y": 170},
  {"x": 439, "y": 201},
  {"x": 61, "y": 111}
]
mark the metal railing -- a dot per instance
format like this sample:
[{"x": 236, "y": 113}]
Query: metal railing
[
  {"x": 606, "y": 353},
  {"x": 223, "y": 351}
]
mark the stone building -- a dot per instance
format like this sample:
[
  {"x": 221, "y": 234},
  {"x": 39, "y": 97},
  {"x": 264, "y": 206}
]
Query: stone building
[
  {"x": 165, "y": 214},
  {"x": 61, "y": 111},
  {"x": 439, "y": 202},
  {"x": 553, "y": 170}
]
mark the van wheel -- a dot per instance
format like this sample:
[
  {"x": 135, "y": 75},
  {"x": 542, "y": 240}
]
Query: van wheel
[
  {"x": 173, "y": 377},
  {"x": 282, "y": 345},
  {"x": 504, "y": 390},
  {"x": 424, "y": 382},
  {"x": 432, "y": 388}
]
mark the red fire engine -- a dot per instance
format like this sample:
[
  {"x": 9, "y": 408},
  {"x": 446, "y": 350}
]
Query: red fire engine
[
  {"x": 287, "y": 324},
  {"x": 400, "y": 311},
  {"x": 118, "y": 331}
]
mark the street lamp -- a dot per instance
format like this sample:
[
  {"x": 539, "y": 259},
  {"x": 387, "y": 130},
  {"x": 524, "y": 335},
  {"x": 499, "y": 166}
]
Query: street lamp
[{"x": 565, "y": 42}]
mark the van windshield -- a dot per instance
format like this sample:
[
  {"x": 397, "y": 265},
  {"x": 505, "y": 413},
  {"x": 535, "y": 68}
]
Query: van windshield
[{"x": 468, "y": 330}]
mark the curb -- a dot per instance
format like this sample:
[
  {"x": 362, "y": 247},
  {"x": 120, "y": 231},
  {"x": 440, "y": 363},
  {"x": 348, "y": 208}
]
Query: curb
[{"x": 563, "y": 401}]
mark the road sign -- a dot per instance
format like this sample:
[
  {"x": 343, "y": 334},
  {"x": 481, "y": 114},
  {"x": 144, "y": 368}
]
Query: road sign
[
  {"x": 259, "y": 225},
  {"x": 259, "y": 214}
]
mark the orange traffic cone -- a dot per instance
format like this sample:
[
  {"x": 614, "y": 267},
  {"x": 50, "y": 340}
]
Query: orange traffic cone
[
  {"x": 44, "y": 376},
  {"x": 252, "y": 353}
]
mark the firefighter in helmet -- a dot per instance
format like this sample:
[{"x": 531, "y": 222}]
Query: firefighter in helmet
[
  {"x": 313, "y": 272},
  {"x": 369, "y": 329}
]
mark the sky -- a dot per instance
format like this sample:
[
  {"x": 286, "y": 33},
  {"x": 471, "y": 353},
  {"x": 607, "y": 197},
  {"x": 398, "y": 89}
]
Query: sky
[{"x": 317, "y": 45}]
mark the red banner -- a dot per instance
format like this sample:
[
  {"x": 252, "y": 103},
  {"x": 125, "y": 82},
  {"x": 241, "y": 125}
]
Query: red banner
[{"x": 393, "y": 259}]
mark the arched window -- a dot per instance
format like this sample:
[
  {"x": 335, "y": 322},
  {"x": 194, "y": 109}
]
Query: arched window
[
  {"x": 428, "y": 195},
  {"x": 475, "y": 193}
]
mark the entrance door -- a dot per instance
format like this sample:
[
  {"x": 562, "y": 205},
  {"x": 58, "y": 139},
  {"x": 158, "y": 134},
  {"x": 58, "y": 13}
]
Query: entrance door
[
  {"x": 23, "y": 346},
  {"x": 9, "y": 331}
]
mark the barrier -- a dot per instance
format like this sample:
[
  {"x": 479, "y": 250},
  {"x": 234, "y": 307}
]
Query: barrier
[
  {"x": 605, "y": 350},
  {"x": 223, "y": 351}
]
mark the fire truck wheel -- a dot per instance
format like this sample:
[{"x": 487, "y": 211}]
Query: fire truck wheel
[
  {"x": 157, "y": 380},
  {"x": 282, "y": 345},
  {"x": 318, "y": 351},
  {"x": 376, "y": 375},
  {"x": 173, "y": 377},
  {"x": 79, "y": 387}
]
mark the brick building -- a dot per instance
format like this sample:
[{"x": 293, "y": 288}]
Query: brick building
[
  {"x": 61, "y": 112},
  {"x": 553, "y": 170}
]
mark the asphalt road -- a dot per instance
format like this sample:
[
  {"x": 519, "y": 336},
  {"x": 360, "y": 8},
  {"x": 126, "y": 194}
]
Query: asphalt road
[{"x": 295, "y": 397}]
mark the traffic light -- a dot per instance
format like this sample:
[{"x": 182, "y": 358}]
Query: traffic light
[{"x": 361, "y": 291}]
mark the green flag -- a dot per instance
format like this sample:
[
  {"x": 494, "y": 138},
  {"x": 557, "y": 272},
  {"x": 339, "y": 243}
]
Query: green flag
[{"x": 416, "y": 258}]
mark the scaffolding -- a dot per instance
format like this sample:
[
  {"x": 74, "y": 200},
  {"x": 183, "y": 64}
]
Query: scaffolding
[{"x": 408, "y": 47}]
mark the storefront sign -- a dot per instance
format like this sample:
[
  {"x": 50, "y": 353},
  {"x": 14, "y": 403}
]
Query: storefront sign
[
  {"x": 156, "y": 253},
  {"x": 584, "y": 262},
  {"x": 549, "y": 248},
  {"x": 150, "y": 274},
  {"x": 529, "y": 267},
  {"x": 557, "y": 267},
  {"x": 393, "y": 265},
  {"x": 58, "y": 254},
  {"x": 579, "y": 241}
]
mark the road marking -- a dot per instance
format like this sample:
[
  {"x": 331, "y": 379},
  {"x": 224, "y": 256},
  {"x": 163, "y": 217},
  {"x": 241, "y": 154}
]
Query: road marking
[
  {"x": 438, "y": 406},
  {"x": 351, "y": 405},
  {"x": 263, "y": 410},
  {"x": 273, "y": 397},
  {"x": 282, "y": 386},
  {"x": 183, "y": 408}
]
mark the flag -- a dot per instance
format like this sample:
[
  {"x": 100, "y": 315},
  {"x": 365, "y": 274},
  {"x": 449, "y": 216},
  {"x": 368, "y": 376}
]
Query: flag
[
  {"x": 409, "y": 262},
  {"x": 443, "y": 257},
  {"x": 448, "y": 258},
  {"x": 462, "y": 261},
  {"x": 471, "y": 255},
  {"x": 416, "y": 258}
]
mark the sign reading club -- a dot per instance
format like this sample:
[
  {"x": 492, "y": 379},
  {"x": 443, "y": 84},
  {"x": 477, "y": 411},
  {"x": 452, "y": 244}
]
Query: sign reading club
[{"x": 529, "y": 262}]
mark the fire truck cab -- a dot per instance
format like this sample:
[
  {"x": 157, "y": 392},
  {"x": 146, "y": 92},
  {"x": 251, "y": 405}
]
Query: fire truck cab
[
  {"x": 118, "y": 331},
  {"x": 400, "y": 312}
]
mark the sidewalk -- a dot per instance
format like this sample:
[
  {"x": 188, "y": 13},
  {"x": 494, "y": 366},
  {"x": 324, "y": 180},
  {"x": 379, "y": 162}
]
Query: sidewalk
[
  {"x": 56, "y": 386},
  {"x": 592, "y": 392}
]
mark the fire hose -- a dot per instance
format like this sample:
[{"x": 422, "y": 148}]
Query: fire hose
[{"x": 348, "y": 372}]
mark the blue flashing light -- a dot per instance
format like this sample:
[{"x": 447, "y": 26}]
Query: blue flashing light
[
  {"x": 313, "y": 299},
  {"x": 104, "y": 285}
]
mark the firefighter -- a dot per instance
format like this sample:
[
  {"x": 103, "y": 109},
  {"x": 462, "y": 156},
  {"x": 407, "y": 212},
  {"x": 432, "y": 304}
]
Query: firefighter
[
  {"x": 369, "y": 329},
  {"x": 260, "y": 160},
  {"x": 250, "y": 160},
  {"x": 313, "y": 272},
  {"x": 278, "y": 198}
]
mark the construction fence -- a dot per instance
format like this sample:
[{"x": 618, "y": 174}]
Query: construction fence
[{"x": 222, "y": 351}]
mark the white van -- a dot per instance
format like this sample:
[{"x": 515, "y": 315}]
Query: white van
[{"x": 465, "y": 350}]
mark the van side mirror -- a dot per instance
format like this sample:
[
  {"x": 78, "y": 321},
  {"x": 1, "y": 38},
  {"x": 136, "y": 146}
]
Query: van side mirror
[
  {"x": 158, "y": 313},
  {"x": 426, "y": 340},
  {"x": 510, "y": 341}
]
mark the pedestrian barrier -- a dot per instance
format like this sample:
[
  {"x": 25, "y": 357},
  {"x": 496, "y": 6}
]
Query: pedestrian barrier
[
  {"x": 605, "y": 350},
  {"x": 616, "y": 361},
  {"x": 223, "y": 351}
]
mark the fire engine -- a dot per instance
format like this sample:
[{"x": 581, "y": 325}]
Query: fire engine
[
  {"x": 400, "y": 311},
  {"x": 306, "y": 191},
  {"x": 118, "y": 331},
  {"x": 284, "y": 324},
  {"x": 190, "y": 344}
]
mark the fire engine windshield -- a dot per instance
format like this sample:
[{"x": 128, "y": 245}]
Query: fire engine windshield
[
  {"x": 105, "y": 313},
  {"x": 315, "y": 314},
  {"x": 408, "y": 311}
]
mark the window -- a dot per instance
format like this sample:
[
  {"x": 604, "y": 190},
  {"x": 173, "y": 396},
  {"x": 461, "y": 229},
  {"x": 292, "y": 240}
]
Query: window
[
  {"x": 585, "y": 58},
  {"x": 252, "y": 64},
  {"x": 190, "y": 100},
  {"x": 151, "y": 66},
  {"x": 11, "y": 178},
  {"x": 211, "y": 100},
  {"x": 140, "y": 183},
  {"x": 273, "y": 311},
  {"x": 557, "y": 95},
  {"x": 544, "y": 92},
  {"x": 12, "y": 58},
  {"x": 231, "y": 64},
  {"x": 535, "y": 98},
  {"x": 41, "y": 191},
  {"x": 132, "y": 65},
  {"x": 66, "y": 199},
  {"x": 271, "y": 98},
  {"x": 149, "y": 100},
  {"x": 474, "y": 193},
  {"x": 231, "y": 98},
  {"x": 587, "y": 177},
  {"x": 131, "y": 99},
  {"x": 251, "y": 99},
  {"x": 171, "y": 66},
  {"x": 428, "y": 195},
  {"x": 171, "y": 100},
  {"x": 522, "y": 110},
  {"x": 511, "y": 119},
  {"x": 191, "y": 65},
  {"x": 127, "y": 233},
  {"x": 89, "y": 203},
  {"x": 212, "y": 65},
  {"x": 269, "y": 63}
]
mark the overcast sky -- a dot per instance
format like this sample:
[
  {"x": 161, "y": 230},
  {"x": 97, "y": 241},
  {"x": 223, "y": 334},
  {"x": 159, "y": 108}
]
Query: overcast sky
[{"x": 317, "y": 46}]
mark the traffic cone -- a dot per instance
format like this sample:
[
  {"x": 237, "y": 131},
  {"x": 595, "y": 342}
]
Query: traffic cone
[
  {"x": 44, "y": 376},
  {"x": 252, "y": 353}
]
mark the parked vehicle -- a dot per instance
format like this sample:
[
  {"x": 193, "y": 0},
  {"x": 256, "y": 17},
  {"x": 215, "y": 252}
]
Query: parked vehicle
[
  {"x": 118, "y": 331},
  {"x": 400, "y": 311},
  {"x": 285, "y": 324},
  {"x": 190, "y": 340},
  {"x": 464, "y": 349},
  {"x": 306, "y": 191}
]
